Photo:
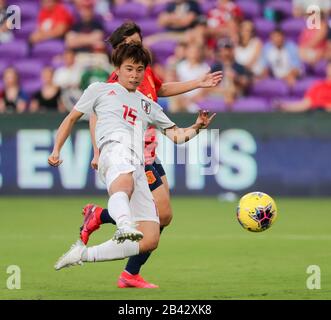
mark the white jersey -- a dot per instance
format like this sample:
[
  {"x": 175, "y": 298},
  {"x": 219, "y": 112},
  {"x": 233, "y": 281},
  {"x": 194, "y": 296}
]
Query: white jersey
[{"x": 123, "y": 116}]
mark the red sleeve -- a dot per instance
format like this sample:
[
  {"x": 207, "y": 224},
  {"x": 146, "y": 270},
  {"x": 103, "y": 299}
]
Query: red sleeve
[
  {"x": 112, "y": 78},
  {"x": 310, "y": 93},
  {"x": 63, "y": 15},
  {"x": 157, "y": 81}
]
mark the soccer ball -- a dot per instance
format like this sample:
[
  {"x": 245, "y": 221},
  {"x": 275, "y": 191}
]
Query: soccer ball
[{"x": 256, "y": 211}]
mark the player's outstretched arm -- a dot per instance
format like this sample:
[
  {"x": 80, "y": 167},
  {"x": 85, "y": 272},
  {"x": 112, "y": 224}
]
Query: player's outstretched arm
[
  {"x": 209, "y": 80},
  {"x": 182, "y": 135},
  {"x": 92, "y": 122},
  {"x": 62, "y": 135}
]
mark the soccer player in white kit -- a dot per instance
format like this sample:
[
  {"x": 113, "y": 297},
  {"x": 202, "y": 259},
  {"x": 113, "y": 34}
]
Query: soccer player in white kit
[{"x": 123, "y": 115}]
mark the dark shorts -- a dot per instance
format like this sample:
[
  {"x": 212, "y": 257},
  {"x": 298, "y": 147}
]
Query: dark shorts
[{"x": 154, "y": 172}]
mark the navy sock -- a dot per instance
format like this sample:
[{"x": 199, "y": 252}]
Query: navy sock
[
  {"x": 106, "y": 218},
  {"x": 136, "y": 262}
]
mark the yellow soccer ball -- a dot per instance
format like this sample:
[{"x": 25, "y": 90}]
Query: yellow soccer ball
[{"x": 256, "y": 211}]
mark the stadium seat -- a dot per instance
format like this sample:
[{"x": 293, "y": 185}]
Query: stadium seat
[
  {"x": 111, "y": 25},
  {"x": 320, "y": 69},
  {"x": 48, "y": 49},
  {"x": 149, "y": 27},
  {"x": 264, "y": 27},
  {"x": 251, "y": 9},
  {"x": 157, "y": 9},
  {"x": 213, "y": 104},
  {"x": 29, "y": 10},
  {"x": 285, "y": 7},
  {"x": 14, "y": 50},
  {"x": 251, "y": 104},
  {"x": 206, "y": 6},
  {"x": 293, "y": 27},
  {"x": 29, "y": 68},
  {"x": 163, "y": 49},
  {"x": 302, "y": 86},
  {"x": 31, "y": 87},
  {"x": 270, "y": 88},
  {"x": 27, "y": 28},
  {"x": 131, "y": 11}
]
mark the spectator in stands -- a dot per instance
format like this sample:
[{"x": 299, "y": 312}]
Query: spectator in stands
[
  {"x": 12, "y": 98},
  {"x": 6, "y": 34},
  {"x": 48, "y": 98},
  {"x": 86, "y": 38},
  {"x": 54, "y": 20},
  {"x": 313, "y": 42},
  {"x": 236, "y": 78},
  {"x": 223, "y": 22},
  {"x": 87, "y": 34},
  {"x": 248, "y": 52},
  {"x": 192, "y": 67},
  {"x": 68, "y": 79},
  {"x": 301, "y": 7},
  {"x": 316, "y": 97},
  {"x": 93, "y": 74},
  {"x": 281, "y": 58},
  {"x": 173, "y": 61},
  {"x": 180, "y": 15}
]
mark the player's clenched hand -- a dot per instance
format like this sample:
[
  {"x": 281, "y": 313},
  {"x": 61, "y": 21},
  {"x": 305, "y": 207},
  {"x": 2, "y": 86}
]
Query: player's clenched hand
[
  {"x": 203, "y": 119},
  {"x": 54, "y": 159},
  {"x": 94, "y": 162},
  {"x": 210, "y": 80}
]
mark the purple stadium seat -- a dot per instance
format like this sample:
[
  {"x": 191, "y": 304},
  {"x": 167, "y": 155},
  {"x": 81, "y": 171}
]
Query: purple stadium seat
[
  {"x": 149, "y": 27},
  {"x": 163, "y": 49},
  {"x": 251, "y": 104},
  {"x": 263, "y": 28},
  {"x": 29, "y": 10},
  {"x": 130, "y": 10},
  {"x": 29, "y": 68},
  {"x": 293, "y": 27},
  {"x": 31, "y": 87},
  {"x": 302, "y": 86},
  {"x": 251, "y": 9},
  {"x": 320, "y": 68},
  {"x": 213, "y": 104},
  {"x": 206, "y": 6},
  {"x": 48, "y": 49},
  {"x": 157, "y": 9},
  {"x": 270, "y": 88},
  {"x": 14, "y": 50},
  {"x": 285, "y": 7},
  {"x": 3, "y": 65},
  {"x": 27, "y": 28},
  {"x": 111, "y": 25}
]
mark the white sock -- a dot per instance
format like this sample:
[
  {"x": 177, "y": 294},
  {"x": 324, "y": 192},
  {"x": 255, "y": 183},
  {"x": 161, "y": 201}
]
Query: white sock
[
  {"x": 111, "y": 250},
  {"x": 119, "y": 208}
]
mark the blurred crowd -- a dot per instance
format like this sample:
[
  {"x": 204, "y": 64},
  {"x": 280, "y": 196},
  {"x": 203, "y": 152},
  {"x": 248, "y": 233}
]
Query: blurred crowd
[{"x": 274, "y": 54}]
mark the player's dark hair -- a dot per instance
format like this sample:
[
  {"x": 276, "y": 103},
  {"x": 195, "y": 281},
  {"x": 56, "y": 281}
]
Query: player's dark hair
[
  {"x": 133, "y": 51},
  {"x": 127, "y": 29}
]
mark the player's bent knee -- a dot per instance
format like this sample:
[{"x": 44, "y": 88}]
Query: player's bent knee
[
  {"x": 166, "y": 218},
  {"x": 148, "y": 244}
]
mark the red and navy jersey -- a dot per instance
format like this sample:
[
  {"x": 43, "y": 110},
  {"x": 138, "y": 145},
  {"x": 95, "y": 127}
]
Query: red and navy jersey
[{"x": 150, "y": 85}]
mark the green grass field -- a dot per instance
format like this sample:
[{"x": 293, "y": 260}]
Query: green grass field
[{"x": 204, "y": 254}]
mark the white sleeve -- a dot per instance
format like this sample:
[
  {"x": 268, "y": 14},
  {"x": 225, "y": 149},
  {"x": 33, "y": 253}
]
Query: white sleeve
[
  {"x": 159, "y": 118},
  {"x": 86, "y": 102}
]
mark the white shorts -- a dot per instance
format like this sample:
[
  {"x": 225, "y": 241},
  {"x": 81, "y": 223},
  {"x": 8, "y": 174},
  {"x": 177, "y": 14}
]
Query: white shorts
[{"x": 116, "y": 159}]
